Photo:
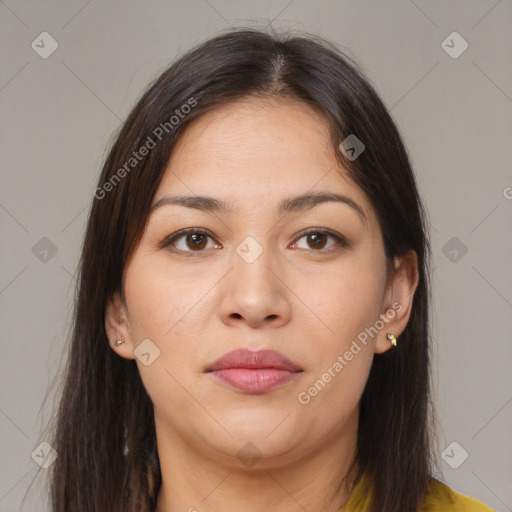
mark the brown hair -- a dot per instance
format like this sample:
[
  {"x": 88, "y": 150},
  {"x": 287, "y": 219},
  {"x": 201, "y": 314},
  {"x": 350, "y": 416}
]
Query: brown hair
[{"x": 104, "y": 430}]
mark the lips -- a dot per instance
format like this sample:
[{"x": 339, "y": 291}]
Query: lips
[{"x": 254, "y": 371}]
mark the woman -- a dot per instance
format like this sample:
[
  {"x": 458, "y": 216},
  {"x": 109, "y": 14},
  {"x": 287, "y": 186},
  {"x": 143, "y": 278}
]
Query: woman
[{"x": 251, "y": 325}]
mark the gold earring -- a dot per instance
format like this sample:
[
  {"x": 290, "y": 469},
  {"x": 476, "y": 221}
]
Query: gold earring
[{"x": 391, "y": 338}]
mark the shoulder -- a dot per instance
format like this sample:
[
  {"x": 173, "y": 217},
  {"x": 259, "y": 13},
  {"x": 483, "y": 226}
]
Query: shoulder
[{"x": 440, "y": 497}]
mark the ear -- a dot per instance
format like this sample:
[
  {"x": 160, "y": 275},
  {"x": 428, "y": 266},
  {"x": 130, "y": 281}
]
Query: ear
[
  {"x": 117, "y": 326},
  {"x": 398, "y": 299}
]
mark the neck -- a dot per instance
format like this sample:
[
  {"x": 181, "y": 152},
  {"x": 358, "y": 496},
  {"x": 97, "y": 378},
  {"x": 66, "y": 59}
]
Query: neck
[{"x": 194, "y": 480}]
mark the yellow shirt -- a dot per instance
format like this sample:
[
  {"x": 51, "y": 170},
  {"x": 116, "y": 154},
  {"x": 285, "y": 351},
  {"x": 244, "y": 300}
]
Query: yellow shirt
[{"x": 441, "y": 498}]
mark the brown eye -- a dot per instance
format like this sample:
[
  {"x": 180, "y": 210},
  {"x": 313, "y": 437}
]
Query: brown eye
[
  {"x": 188, "y": 241},
  {"x": 195, "y": 241},
  {"x": 317, "y": 240}
]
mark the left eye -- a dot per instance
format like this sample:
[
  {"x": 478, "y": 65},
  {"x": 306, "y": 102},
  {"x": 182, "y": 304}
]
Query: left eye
[{"x": 318, "y": 239}]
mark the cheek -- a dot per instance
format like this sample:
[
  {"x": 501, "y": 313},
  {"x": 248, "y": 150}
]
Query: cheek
[
  {"x": 350, "y": 300},
  {"x": 166, "y": 308},
  {"x": 350, "y": 306},
  {"x": 157, "y": 305},
  {"x": 330, "y": 399},
  {"x": 156, "y": 299},
  {"x": 342, "y": 354}
]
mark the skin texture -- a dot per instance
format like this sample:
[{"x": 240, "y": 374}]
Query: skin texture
[{"x": 297, "y": 297}]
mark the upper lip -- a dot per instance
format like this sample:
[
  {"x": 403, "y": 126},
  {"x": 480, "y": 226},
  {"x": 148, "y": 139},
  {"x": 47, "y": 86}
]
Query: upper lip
[{"x": 243, "y": 358}]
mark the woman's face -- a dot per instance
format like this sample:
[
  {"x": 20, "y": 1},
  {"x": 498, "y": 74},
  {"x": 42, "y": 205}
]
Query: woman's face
[{"x": 253, "y": 279}]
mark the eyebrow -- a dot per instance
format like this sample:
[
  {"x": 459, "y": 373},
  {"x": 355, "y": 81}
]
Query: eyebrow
[{"x": 299, "y": 203}]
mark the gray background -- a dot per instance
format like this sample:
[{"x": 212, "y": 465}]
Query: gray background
[{"x": 58, "y": 115}]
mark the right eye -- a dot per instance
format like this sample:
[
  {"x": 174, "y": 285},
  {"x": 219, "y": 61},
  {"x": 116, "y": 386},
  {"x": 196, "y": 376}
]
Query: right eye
[{"x": 194, "y": 240}]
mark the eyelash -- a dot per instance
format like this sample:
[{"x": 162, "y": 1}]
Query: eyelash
[{"x": 169, "y": 240}]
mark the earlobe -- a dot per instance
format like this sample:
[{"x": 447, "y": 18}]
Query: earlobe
[
  {"x": 399, "y": 300},
  {"x": 117, "y": 327}
]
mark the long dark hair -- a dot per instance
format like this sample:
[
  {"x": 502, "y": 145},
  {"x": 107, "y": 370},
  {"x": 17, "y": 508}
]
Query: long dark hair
[{"x": 104, "y": 430}]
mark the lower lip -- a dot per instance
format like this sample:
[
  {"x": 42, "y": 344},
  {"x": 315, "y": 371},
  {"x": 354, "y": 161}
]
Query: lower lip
[{"x": 254, "y": 380}]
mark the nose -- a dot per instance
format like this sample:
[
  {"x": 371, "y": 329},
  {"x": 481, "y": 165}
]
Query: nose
[{"x": 255, "y": 292}]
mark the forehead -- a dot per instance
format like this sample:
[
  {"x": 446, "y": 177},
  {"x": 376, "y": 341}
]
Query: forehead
[
  {"x": 255, "y": 150},
  {"x": 277, "y": 132}
]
